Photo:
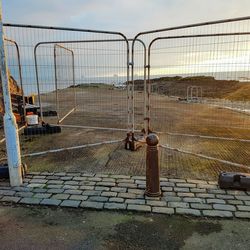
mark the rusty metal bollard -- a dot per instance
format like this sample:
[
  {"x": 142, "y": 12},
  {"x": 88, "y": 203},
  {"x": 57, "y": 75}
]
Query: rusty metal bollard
[{"x": 152, "y": 167}]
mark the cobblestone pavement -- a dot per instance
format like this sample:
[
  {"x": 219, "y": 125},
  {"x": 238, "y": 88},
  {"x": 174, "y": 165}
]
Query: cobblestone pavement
[{"x": 122, "y": 192}]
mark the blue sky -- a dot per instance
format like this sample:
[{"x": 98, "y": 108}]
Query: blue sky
[{"x": 127, "y": 16}]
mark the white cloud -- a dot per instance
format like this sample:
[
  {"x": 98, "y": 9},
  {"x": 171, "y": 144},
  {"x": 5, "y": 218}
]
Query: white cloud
[{"x": 128, "y": 16}]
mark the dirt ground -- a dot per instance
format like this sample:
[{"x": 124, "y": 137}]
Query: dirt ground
[
  {"x": 106, "y": 107},
  {"x": 56, "y": 228}
]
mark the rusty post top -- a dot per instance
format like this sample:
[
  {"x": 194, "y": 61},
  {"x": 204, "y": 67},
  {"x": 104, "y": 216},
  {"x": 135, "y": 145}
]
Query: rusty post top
[{"x": 152, "y": 139}]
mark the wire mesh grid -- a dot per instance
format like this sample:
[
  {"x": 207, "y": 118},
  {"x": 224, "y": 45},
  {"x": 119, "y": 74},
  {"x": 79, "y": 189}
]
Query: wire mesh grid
[
  {"x": 212, "y": 126},
  {"x": 189, "y": 130}
]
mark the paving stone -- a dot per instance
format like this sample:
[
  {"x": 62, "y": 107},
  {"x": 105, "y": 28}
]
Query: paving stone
[
  {"x": 22, "y": 189},
  {"x": 55, "y": 191},
  {"x": 36, "y": 185},
  {"x": 92, "y": 204},
  {"x": 43, "y": 181},
  {"x": 193, "y": 200},
  {"x": 243, "y": 208},
  {"x": 163, "y": 210},
  {"x": 106, "y": 184},
  {"x": 164, "y": 179},
  {"x": 127, "y": 195},
  {"x": 95, "y": 179},
  {"x": 73, "y": 174},
  {"x": 136, "y": 191},
  {"x": 197, "y": 190},
  {"x": 242, "y": 215},
  {"x": 80, "y": 178},
  {"x": 87, "y": 187},
  {"x": 99, "y": 188},
  {"x": 246, "y": 202},
  {"x": 24, "y": 194},
  {"x": 91, "y": 193},
  {"x": 42, "y": 195},
  {"x": 142, "y": 208},
  {"x": 50, "y": 202},
  {"x": 54, "y": 186},
  {"x": 120, "y": 176},
  {"x": 60, "y": 174},
  {"x": 185, "y": 194},
  {"x": 140, "y": 182},
  {"x": 88, "y": 183},
  {"x": 197, "y": 181},
  {"x": 217, "y": 213},
  {"x": 46, "y": 173},
  {"x": 156, "y": 203},
  {"x": 109, "y": 194},
  {"x": 169, "y": 194},
  {"x": 125, "y": 181},
  {"x": 177, "y": 180},
  {"x": 7, "y": 192},
  {"x": 166, "y": 184},
  {"x": 67, "y": 178},
  {"x": 98, "y": 198},
  {"x": 217, "y": 201},
  {"x": 135, "y": 201},
  {"x": 114, "y": 205},
  {"x": 207, "y": 186},
  {"x": 31, "y": 201},
  {"x": 119, "y": 189},
  {"x": 224, "y": 207},
  {"x": 11, "y": 199},
  {"x": 201, "y": 195},
  {"x": 167, "y": 189},
  {"x": 188, "y": 211},
  {"x": 58, "y": 182},
  {"x": 53, "y": 177},
  {"x": 116, "y": 199},
  {"x": 141, "y": 186},
  {"x": 70, "y": 187},
  {"x": 178, "y": 204},
  {"x": 71, "y": 183},
  {"x": 200, "y": 206},
  {"x": 102, "y": 175},
  {"x": 70, "y": 203},
  {"x": 179, "y": 189},
  {"x": 216, "y": 191},
  {"x": 78, "y": 197},
  {"x": 152, "y": 198},
  {"x": 224, "y": 196},
  {"x": 139, "y": 177},
  {"x": 213, "y": 182},
  {"x": 108, "y": 179},
  {"x": 39, "y": 190},
  {"x": 242, "y": 197},
  {"x": 188, "y": 185},
  {"x": 235, "y": 202},
  {"x": 128, "y": 185},
  {"x": 60, "y": 196},
  {"x": 236, "y": 192},
  {"x": 171, "y": 198},
  {"x": 72, "y": 191}
]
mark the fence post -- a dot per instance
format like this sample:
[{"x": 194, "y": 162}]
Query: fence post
[
  {"x": 152, "y": 167},
  {"x": 10, "y": 126}
]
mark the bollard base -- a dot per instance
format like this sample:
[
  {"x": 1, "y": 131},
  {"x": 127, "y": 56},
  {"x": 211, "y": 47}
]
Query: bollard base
[{"x": 150, "y": 194}]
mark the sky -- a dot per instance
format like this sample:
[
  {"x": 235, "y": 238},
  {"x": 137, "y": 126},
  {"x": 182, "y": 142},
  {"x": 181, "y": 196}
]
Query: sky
[{"x": 127, "y": 16}]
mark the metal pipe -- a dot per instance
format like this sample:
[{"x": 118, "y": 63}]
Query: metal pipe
[
  {"x": 10, "y": 126},
  {"x": 152, "y": 167}
]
